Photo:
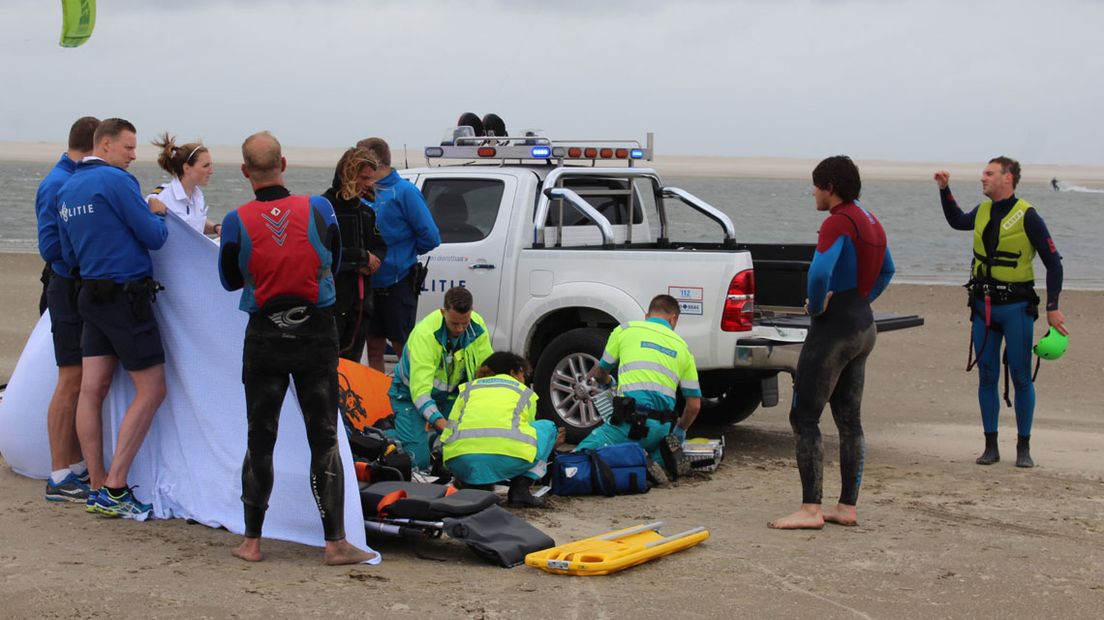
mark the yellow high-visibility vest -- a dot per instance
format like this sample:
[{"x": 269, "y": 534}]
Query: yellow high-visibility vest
[{"x": 492, "y": 415}]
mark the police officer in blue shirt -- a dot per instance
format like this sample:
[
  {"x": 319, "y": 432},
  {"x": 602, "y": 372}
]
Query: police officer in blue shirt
[
  {"x": 408, "y": 229},
  {"x": 107, "y": 231},
  {"x": 68, "y": 472}
]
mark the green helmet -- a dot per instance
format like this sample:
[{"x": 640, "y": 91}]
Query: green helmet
[{"x": 1052, "y": 346}]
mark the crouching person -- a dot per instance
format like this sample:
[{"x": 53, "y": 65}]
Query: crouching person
[
  {"x": 445, "y": 349},
  {"x": 492, "y": 434},
  {"x": 653, "y": 363}
]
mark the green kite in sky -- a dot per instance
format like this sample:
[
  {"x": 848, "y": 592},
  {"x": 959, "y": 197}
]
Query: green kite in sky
[{"x": 78, "y": 20}]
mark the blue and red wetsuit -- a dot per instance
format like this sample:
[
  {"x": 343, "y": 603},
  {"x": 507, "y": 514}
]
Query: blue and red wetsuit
[
  {"x": 853, "y": 262},
  {"x": 282, "y": 251},
  {"x": 1013, "y": 321}
]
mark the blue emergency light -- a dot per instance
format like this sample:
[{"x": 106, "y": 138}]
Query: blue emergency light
[{"x": 540, "y": 151}]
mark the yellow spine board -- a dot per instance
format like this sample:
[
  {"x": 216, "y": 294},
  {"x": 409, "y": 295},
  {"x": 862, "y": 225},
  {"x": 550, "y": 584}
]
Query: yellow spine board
[{"x": 615, "y": 551}]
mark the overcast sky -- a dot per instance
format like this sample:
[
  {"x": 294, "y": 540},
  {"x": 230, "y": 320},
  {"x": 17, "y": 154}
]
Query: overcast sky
[{"x": 923, "y": 80}]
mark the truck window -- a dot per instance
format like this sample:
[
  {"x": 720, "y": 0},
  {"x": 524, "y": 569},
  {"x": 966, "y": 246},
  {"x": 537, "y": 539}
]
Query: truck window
[
  {"x": 464, "y": 209},
  {"x": 605, "y": 195}
]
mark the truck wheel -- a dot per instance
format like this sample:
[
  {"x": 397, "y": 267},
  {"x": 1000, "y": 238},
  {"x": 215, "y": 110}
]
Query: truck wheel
[
  {"x": 560, "y": 380},
  {"x": 728, "y": 401}
]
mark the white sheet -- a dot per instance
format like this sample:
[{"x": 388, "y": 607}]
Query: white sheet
[{"x": 190, "y": 464}]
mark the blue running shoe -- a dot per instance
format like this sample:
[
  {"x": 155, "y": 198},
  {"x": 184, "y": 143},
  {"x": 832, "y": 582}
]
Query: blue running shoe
[
  {"x": 90, "y": 505},
  {"x": 126, "y": 504},
  {"x": 69, "y": 490}
]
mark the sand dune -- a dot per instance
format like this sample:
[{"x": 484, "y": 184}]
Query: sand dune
[{"x": 673, "y": 165}]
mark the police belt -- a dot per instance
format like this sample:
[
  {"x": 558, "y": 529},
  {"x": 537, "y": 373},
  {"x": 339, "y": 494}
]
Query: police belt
[
  {"x": 644, "y": 413},
  {"x": 103, "y": 291}
]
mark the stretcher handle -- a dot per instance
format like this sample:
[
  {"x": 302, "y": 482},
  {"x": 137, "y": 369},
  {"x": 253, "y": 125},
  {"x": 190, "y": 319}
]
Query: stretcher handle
[
  {"x": 400, "y": 531},
  {"x": 631, "y": 531},
  {"x": 661, "y": 541}
]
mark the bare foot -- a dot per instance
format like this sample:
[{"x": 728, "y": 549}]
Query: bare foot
[
  {"x": 842, "y": 514},
  {"x": 340, "y": 552},
  {"x": 809, "y": 517},
  {"x": 249, "y": 550}
]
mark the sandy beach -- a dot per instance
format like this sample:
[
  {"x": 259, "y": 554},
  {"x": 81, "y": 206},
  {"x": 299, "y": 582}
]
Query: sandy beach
[
  {"x": 939, "y": 537},
  {"x": 670, "y": 165}
]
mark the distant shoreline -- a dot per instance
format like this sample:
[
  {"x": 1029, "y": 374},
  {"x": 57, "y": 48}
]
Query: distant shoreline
[{"x": 670, "y": 165}]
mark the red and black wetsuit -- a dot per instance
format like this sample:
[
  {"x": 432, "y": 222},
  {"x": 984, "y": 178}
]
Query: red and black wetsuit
[
  {"x": 853, "y": 262},
  {"x": 282, "y": 250}
]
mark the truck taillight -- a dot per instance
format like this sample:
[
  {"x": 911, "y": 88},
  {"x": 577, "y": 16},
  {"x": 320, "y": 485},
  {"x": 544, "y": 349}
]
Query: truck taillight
[{"x": 739, "y": 306}]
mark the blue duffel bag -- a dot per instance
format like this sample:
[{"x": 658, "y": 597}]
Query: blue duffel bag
[{"x": 619, "y": 469}]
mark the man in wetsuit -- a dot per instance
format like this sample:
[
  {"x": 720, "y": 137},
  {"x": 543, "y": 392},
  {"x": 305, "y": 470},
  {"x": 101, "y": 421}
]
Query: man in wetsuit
[
  {"x": 107, "y": 231},
  {"x": 445, "y": 349},
  {"x": 282, "y": 250},
  {"x": 68, "y": 479},
  {"x": 654, "y": 363},
  {"x": 1008, "y": 233},
  {"x": 851, "y": 267}
]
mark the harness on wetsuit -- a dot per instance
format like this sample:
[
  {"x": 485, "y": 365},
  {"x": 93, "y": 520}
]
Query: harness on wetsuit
[{"x": 992, "y": 291}]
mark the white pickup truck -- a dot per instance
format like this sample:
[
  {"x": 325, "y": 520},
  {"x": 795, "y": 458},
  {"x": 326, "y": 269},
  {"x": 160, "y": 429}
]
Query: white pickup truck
[{"x": 559, "y": 242}]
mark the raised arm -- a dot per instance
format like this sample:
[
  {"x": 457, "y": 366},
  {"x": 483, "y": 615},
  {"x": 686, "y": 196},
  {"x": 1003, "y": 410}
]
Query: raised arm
[{"x": 955, "y": 217}]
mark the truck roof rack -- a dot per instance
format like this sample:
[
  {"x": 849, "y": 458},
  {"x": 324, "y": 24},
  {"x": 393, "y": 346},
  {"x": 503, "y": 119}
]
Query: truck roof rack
[{"x": 541, "y": 149}]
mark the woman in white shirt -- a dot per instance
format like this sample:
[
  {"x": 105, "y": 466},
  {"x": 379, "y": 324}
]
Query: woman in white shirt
[{"x": 191, "y": 167}]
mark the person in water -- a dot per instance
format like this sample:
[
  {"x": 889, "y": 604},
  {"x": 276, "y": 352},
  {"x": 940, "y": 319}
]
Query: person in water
[{"x": 851, "y": 267}]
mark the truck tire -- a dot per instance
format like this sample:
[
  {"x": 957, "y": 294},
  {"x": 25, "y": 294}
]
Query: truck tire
[
  {"x": 727, "y": 400},
  {"x": 560, "y": 380}
]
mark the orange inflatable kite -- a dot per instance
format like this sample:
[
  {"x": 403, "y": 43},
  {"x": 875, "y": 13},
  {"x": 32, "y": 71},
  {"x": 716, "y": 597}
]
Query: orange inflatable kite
[{"x": 362, "y": 394}]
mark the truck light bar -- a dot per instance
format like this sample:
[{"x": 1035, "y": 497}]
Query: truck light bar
[{"x": 533, "y": 147}]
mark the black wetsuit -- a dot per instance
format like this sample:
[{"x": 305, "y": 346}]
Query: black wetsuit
[
  {"x": 291, "y": 335},
  {"x": 853, "y": 262},
  {"x": 360, "y": 237}
]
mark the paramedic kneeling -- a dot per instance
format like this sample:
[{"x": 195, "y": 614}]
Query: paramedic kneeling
[
  {"x": 493, "y": 435},
  {"x": 654, "y": 362},
  {"x": 281, "y": 250},
  {"x": 445, "y": 349}
]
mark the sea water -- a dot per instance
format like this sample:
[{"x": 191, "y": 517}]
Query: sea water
[{"x": 924, "y": 248}]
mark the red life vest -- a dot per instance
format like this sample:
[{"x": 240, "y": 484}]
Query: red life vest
[{"x": 282, "y": 260}]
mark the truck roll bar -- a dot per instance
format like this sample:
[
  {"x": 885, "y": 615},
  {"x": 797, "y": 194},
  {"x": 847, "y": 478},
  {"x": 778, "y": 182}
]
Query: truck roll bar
[
  {"x": 553, "y": 193},
  {"x": 705, "y": 209}
]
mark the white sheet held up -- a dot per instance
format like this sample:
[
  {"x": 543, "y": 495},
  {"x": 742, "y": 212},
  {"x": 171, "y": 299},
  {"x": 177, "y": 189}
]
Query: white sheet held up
[{"x": 190, "y": 464}]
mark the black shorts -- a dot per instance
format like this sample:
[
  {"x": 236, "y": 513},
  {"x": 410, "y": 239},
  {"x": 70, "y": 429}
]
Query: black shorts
[
  {"x": 394, "y": 311},
  {"x": 65, "y": 320},
  {"x": 121, "y": 327}
]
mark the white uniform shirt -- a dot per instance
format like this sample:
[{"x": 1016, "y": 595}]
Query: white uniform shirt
[{"x": 192, "y": 209}]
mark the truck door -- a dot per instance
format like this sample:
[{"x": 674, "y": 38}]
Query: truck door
[{"x": 473, "y": 214}]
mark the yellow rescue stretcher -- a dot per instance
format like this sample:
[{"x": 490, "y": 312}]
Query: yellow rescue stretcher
[{"x": 615, "y": 551}]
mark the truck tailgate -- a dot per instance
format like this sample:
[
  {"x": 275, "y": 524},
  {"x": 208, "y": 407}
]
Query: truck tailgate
[{"x": 885, "y": 322}]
